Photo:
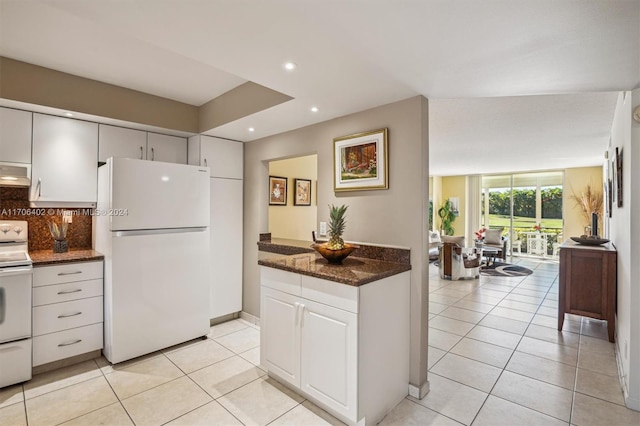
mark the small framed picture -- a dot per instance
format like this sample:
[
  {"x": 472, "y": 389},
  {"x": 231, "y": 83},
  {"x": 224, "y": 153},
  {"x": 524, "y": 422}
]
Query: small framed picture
[
  {"x": 302, "y": 192},
  {"x": 277, "y": 191}
]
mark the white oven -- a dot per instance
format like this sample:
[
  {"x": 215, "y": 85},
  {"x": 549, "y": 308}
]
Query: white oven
[{"x": 15, "y": 303}]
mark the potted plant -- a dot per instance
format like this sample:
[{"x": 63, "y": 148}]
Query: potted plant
[{"x": 447, "y": 217}]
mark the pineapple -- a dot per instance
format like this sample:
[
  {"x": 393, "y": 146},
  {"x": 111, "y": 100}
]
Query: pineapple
[{"x": 336, "y": 226}]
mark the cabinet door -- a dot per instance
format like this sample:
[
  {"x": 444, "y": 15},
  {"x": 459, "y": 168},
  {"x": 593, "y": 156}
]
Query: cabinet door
[
  {"x": 121, "y": 142},
  {"x": 15, "y": 135},
  {"x": 329, "y": 350},
  {"x": 65, "y": 161},
  {"x": 165, "y": 148},
  {"x": 222, "y": 156},
  {"x": 226, "y": 246},
  {"x": 280, "y": 335}
]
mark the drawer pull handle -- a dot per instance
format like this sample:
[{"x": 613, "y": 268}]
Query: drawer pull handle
[
  {"x": 70, "y": 291},
  {"x": 69, "y": 273},
  {"x": 70, "y": 315},
  {"x": 70, "y": 343}
]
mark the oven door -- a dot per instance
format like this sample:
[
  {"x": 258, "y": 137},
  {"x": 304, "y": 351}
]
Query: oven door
[{"x": 15, "y": 303}]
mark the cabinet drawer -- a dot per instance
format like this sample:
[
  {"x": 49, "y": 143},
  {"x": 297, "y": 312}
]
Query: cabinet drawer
[
  {"x": 62, "y": 316},
  {"x": 67, "y": 272},
  {"x": 65, "y": 344},
  {"x": 277, "y": 279},
  {"x": 330, "y": 293},
  {"x": 65, "y": 292}
]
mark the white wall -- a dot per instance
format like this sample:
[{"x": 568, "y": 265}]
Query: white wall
[
  {"x": 625, "y": 234},
  {"x": 397, "y": 216}
]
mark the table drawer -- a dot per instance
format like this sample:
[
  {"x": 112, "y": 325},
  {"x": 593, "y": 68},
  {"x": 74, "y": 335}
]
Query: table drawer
[
  {"x": 65, "y": 344},
  {"x": 67, "y": 272},
  {"x": 62, "y": 316},
  {"x": 65, "y": 292}
]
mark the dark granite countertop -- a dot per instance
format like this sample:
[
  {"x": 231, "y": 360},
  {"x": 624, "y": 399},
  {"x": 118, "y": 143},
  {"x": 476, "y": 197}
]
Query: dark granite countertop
[
  {"x": 285, "y": 246},
  {"x": 48, "y": 257},
  {"x": 354, "y": 271}
]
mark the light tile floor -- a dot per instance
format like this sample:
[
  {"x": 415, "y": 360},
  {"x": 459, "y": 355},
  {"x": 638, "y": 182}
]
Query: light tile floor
[{"x": 495, "y": 358}]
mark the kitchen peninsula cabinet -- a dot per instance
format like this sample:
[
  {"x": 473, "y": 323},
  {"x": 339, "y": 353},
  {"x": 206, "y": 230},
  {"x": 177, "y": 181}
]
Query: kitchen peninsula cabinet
[
  {"x": 225, "y": 161},
  {"x": 165, "y": 148},
  {"x": 344, "y": 347},
  {"x": 64, "y": 170},
  {"x": 588, "y": 283},
  {"x": 15, "y": 135}
]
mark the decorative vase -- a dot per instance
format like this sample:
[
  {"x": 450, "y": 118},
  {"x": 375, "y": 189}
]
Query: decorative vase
[
  {"x": 60, "y": 246},
  {"x": 334, "y": 256}
]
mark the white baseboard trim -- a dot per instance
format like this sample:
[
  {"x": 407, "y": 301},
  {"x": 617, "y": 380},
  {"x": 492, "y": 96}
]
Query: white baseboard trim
[
  {"x": 419, "y": 392},
  {"x": 250, "y": 318}
]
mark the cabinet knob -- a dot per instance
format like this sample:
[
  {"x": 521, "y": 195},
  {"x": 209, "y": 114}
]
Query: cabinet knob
[
  {"x": 153, "y": 154},
  {"x": 205, "y": 163},
  {"x": 141, "y": 153}
]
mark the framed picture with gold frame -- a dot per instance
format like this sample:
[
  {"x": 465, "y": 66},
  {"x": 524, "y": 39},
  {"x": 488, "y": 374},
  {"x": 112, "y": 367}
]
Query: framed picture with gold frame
[{"x": 360, "y": 161}]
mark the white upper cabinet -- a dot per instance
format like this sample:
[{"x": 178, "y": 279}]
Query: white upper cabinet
[
  {"x": 225, "y": 158},
  {"x": 15, "y": 135},
  {"x": 165, "y": 148},
  {"x": 64, "y": 169},
  {"x": 121, "y": 142}
]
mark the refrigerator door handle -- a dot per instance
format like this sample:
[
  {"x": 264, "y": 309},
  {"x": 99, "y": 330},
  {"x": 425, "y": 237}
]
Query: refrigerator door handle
[
  {"x": 3, "y": 304},
  {"x": 153, "y": 154}
]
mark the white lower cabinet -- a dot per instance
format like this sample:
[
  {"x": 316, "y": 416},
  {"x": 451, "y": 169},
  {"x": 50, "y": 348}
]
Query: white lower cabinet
[
  {"x": 345, "y": 348},
  {"x": 67, "y": 310}
]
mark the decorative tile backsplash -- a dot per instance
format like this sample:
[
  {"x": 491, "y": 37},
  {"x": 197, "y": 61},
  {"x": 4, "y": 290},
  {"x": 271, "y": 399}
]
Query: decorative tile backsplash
[{"x": 14, "y": 205}]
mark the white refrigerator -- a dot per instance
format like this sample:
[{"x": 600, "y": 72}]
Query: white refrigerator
[{"x": 151, "y": 223}]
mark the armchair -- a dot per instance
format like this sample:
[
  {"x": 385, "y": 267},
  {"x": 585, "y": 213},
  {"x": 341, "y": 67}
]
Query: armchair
[
  {"x": 457, "y": 262},
  {"x": 493, "y": 238}
]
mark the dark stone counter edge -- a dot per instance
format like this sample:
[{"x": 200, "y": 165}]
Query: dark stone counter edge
[
  {"x": 54, "y": 260},
  {"x": 400, "y": 268},
  {"x": 385, "y": 254},
  {"x": 270, "y": 247}
]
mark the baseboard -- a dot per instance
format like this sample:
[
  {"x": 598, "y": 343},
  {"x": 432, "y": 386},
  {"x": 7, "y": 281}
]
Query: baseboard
[
  {"x": 224, "y": 318},
  {"x": 250, "y": 318},
  {"x": 419, "y": 392},
  {"x": 77, "y": 359}
]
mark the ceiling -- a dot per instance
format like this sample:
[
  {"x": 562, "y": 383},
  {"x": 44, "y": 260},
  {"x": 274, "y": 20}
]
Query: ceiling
[{"x": 513, "y": 85}]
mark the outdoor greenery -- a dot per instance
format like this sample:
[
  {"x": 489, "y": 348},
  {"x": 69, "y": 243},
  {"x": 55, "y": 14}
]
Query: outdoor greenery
[{"x": 524, "y": 202}]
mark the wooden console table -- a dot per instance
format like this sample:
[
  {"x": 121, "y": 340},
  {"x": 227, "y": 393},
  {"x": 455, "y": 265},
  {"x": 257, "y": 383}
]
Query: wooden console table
[{"x": 588, "y": 282}]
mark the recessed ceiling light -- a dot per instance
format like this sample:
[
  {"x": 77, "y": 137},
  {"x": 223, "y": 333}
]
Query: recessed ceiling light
[
  {"x": 290, "y": 66},
  {"x": 314, "y": 109},
  {"x": 251, "y": 129},
  {"x": 68, "y": 114}
]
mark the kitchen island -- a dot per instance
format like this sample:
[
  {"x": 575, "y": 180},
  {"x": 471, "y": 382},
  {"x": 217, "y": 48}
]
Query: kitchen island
[{"x": 338, "y": 334}]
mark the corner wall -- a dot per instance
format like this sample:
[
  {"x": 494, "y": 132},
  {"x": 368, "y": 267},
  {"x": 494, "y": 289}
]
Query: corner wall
[
  {"x": 625, "y": 234},
  {"x": 397, "y": 216}
]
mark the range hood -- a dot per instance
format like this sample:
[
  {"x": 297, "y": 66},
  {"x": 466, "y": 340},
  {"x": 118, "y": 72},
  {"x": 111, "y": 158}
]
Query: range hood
[{"x": 15, "y": 174}]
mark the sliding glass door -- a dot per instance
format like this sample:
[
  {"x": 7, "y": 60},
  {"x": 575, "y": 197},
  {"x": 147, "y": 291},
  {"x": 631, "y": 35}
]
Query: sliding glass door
[{"x": 528, "y": 206}]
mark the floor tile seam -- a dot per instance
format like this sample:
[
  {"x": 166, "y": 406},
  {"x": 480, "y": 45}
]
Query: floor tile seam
[
  {"x": 93, "y": 411},
  {"x": 206, "y": 366},
  {"x": 24, "y": 392},
  {"x": 535, "y": 378},
  {"x": 602, "y": 399},
  {"x": 261, "y": 377},
  {"x": 184, "y": 414},
  {"x": 548, "y": 341},
  {"x": 146, "y": 390},
  {"x": 516, "y": 309},
  {"x": 549, "y": 359},
  {"x": 568, "y": 422},
  {"x": 489, "y": 343},
  {"x": 450, "y": 332},
  {"x": 431, "y": 409},
  {"x": 459, "y": 319},
  {"x": 471, "y": 359},
  {"x": 289, "y": 410},
  {"x": 226, "y": 334},
  {"x": 234, "y": 352}
]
